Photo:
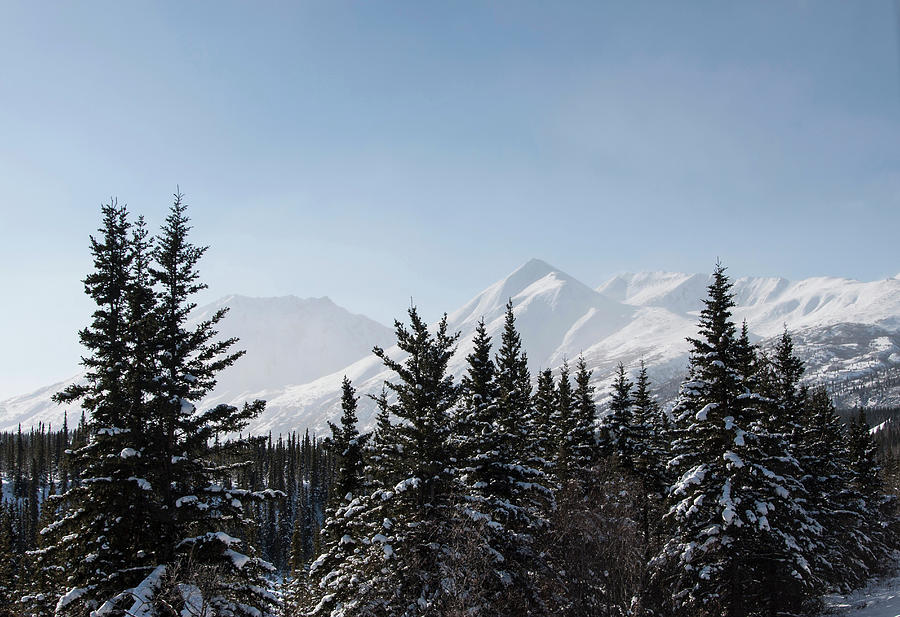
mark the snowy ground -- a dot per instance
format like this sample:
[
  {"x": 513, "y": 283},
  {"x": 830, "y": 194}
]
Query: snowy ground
[{"x": 880, "y": 599}]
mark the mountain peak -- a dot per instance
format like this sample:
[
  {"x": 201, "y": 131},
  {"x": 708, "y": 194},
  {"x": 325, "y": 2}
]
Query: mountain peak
[{"x": 535, "y": 269}]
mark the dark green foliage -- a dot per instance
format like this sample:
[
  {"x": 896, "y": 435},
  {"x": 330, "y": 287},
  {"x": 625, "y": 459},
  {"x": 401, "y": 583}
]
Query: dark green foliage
[
  {"x": 10, "y": 563},
  {"x": 477, "y": 436},
  {"x": 617, "y": 423},
  {"x": 145, "y": 496},
  {"x": 730, "y": 539},
  {"x": 648, "y": 432},
  {"x": 582, "y": 442},
  {"x": 563, "y": 418},
  {"x": 513, "y": 382},
  {"x": 102, "y": 554},
  {"x": 864, "y": 458},
  {"x": 544, "y": 433},
  {"x": 348, "y": 445}
]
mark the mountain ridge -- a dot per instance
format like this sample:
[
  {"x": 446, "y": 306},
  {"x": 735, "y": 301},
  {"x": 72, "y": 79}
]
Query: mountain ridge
[{"x": 844, "y": 327}]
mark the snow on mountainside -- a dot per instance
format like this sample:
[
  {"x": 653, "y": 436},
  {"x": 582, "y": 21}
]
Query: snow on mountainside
[
  {"x": 847, "y": 331},
  {"x": 557, "y": 315},
  {"x": 290, "y": 339},
  {"x": 287, "y": 339},
  {"x": 768, "y": 303},
  {"x": 634, "y": 317}
]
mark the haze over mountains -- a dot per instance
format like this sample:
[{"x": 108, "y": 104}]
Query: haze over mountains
[{"x": 299, "y": 350}]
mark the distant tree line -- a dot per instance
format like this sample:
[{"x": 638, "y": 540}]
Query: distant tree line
[{"x": 494, "y": 494}]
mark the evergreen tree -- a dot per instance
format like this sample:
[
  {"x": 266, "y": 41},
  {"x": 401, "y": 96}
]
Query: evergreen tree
[
  {"x": 197, "y": 503},
  {"x": 544, "y": 433},
  {"x": 498, "y": 505},
  {"x": 9, "y": 564},
  {"x": 563, "y": 418},
  {"x": 146, "y": 507},
  {"x": 647, "y": 430},
  {"x": 777, "y": 427},
  {"x": 332, "y": 581},
  {"x": 617, "y": 423},
  {"x": 425, "y": 397},
  {"x": 476, "y": 436},
  {"x": 864, "y": 458},
  {"x": 725, "y": 532},
  {"x": 348, "y": 445},
  {"x": 513, "y": 386},
  {"x": 584, "y": 416},
  {"x": 520, "y": 483},
  {"x": 94, "y": 543},
  {"x": 852, "y": 546}
]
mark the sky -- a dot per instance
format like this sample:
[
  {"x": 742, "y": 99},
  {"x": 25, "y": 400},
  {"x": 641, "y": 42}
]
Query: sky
[{"x": 377, "y": 151}]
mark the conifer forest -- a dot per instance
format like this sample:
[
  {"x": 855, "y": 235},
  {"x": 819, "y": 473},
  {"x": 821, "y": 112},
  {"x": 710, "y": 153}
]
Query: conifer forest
[{"x": 499, "y": 493}]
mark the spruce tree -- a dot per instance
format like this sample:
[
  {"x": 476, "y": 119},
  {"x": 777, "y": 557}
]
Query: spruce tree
[
  {"x": 852, "y": 548},
  {"x": 520, "y": 482},
  {"x": 332, "y": 583},
  {"x": 476, "y": 433},
  {"x": 198, "y": 504},
  {"x": 618, "y": 421},
  {"x": 513, "y": 386},
  {"x": 864, "y": 458},
  {"x": 147, "y": 508},
  {"x": 94, "y": 542},
  {"x": 543, "y": 432},
  {"x": 425, "y": 397},
  {"x": 348, "y": 446},
  {"x": 9, "y": 564},
  {"x": 583, "y": 443},
  {"x": 724, "y": 525},
  {"x": 498, "y": 504},
  {"x": 647, "y": 430},
  {"x": 777, "y": 427},
  {"x": 563, "y": 418}
]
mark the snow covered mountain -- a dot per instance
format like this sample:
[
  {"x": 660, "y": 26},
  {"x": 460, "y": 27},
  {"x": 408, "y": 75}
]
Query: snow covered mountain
[
  {"x": 287, "y": 339},
  {"x": 845, "y": 330},
  {"x": 298, "y": 350}
]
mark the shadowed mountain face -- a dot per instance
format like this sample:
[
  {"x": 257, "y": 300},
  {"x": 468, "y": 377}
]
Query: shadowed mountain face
[{"x": 298, "y": 350}]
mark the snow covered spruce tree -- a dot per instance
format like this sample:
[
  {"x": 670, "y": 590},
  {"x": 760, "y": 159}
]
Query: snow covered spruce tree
[
  {"x": 543, "y": 433},
  {"x": 617, "y": 423},
  {"x": 500, "y": 490},
  {"x": 649, "y": 455},
  {"x": 777, "y": 428},
  {"x": 401, "y": 562},
  {"x": 879, "y": 509},
  {"x": 583, "y": 441},
  {"x": 336, "y": 581},
  {"x": 476, "y": 431},
  {"x": 348, "y": 446},
  {"x": 724, "y": 524},
  {"x": 523, "y": 484},
  {"x": 143, "y": 525},
  {"x": 201, "y": 513},
  {"x": 854, "y": 543},
  {"x": 563, "y": 418},
  {"x": 102, "y": 543}
]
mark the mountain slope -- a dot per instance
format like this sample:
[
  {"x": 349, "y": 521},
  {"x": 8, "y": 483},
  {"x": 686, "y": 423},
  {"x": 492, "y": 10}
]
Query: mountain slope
[
  {"x": 287, "y": 339},
  {"x": 848, "y": 332},
  {"x": 557, "y": 315},
  {"x": 845, "y": 330}
]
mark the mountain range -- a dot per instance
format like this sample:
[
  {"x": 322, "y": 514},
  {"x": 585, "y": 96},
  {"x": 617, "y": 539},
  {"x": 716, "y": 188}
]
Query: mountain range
[{"x": 298, "y": 350}]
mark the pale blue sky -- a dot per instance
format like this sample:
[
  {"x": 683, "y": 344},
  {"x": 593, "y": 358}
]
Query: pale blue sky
[{"x": 370, "y": 151}]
